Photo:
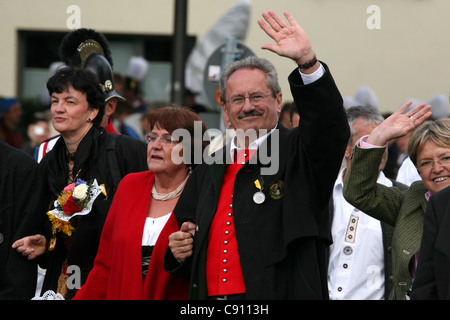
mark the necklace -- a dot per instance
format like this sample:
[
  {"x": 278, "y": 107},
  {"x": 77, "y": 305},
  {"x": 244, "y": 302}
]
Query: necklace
[
  {"x": 171, "y": 195},
  {"x": 70, "y": 155}
]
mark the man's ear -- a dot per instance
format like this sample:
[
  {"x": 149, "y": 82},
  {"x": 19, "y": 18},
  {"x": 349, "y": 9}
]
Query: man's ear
[
  {"x": 348, "y": 151},
  {"x": 226, "y": 118},
  {"x": 279, "y": 102},
  {"x": 110, "y": 107}
]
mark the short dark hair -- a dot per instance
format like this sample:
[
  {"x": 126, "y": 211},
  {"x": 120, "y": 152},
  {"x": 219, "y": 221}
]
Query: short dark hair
[
  {"x": 172, "y": 117},
  {"x": 81, "y": 80}
]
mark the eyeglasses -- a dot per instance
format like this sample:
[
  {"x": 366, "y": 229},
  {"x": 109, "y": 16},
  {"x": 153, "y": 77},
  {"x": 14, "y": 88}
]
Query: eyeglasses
[
  {"x": 254, "y": 98},
  {"x": 426, "y": 165},
  {"x": 165, "y": 140}
]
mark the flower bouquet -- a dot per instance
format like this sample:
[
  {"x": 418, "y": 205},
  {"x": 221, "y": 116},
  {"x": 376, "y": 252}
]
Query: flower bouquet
[
  {"x": 49, "y": 295},
  {"x": 76, "y": 199}
]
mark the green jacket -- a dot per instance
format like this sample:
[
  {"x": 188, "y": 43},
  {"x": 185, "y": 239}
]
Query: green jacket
[{"x": 402, "y": 210}]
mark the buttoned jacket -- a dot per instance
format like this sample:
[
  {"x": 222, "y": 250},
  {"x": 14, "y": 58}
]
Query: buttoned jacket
[
  {"x": 387, "y": 232},
  {"x": 281, "y": 242},
  {"x": 403, "y": 210}
]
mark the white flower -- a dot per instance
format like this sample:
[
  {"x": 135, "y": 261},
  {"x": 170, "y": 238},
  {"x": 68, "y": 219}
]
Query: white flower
[{"x": 80, "y": 192}]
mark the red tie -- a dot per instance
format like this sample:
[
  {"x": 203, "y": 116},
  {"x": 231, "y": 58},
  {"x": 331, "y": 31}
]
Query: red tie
[{"x": 244, "y": 155}]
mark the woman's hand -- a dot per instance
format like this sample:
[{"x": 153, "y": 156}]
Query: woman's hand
[
  {"x": 399, "y": 124},
  {"x": 31, "y": 246}
]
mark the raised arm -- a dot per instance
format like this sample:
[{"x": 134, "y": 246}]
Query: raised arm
[
  {"x": 399, "y": 124},
  {"x": 291, "y": 40},
  {"x": 360, "y": 188}
]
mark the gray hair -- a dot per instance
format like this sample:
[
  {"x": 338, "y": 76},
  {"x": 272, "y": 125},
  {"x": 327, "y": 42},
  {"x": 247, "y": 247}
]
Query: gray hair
[
  {"x": 370, "y": 114},
  {"x": 251, "y": 62}
]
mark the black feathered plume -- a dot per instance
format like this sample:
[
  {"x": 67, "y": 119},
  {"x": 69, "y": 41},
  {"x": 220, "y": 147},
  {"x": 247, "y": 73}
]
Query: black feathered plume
[{"x": 68, "y": 50}]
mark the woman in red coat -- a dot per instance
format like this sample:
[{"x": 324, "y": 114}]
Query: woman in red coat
[{"x": 140, "y": 219}]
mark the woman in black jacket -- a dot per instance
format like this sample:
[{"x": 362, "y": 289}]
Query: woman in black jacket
[{"x": 87, "y": 152}]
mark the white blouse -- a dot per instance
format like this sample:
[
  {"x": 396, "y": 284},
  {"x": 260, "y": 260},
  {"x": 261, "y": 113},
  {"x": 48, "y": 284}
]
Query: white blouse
[{"x": 152, "y": 229}]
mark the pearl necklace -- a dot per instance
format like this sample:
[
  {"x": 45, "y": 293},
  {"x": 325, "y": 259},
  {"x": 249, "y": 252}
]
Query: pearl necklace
[{"x": 171, "y": 195}]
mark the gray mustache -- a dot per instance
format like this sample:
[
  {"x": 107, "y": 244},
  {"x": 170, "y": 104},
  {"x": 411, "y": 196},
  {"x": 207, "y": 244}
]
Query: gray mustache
[{"x": 249, "y": 114}]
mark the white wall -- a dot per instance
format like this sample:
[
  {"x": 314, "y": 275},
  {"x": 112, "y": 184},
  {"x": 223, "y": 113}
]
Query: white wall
[{"x": 407, "y": 57}]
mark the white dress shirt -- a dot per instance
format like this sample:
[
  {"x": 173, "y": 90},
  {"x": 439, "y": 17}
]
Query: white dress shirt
[
  {"x": 407, "y": 173},
  {"x": 356, "y": 262}
]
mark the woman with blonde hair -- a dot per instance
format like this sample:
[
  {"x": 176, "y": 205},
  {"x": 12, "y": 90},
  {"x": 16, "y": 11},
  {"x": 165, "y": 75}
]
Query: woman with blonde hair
[{"x": 402, "y": 210}]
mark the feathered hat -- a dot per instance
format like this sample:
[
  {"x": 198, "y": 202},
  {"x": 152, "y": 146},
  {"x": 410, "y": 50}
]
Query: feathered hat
[
  {"x": 136, "y": 72},
  {"x": 89, "y": 49}
]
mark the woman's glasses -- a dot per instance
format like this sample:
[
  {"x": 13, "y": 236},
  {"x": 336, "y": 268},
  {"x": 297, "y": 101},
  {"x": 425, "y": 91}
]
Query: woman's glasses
[{"x": 165, "y": 139}]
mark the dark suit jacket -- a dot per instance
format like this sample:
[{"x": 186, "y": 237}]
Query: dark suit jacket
[
  {"x": 433, "y": 270},
  {"x": 23, "y": 192},
  {"x": 91, "y": 161},
  {"x": 281, "y": 242}
]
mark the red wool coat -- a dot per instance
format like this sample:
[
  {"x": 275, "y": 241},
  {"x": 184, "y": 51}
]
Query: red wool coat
[{"x": 117, "y": 272}]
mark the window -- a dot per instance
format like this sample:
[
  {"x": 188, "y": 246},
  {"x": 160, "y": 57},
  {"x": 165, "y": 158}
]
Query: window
[{"x": 38, "y": 49}]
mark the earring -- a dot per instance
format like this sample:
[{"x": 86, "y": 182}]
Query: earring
[{"x": 88, "y": 120}]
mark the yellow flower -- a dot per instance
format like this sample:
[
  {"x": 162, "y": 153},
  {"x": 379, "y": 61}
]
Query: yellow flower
[
  {"x": 62, "y": 199},
  {"x": 60, "y": 225}
]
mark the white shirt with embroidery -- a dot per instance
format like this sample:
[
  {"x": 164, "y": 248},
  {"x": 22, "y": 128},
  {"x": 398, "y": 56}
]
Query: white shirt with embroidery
[{"x": 356, "y": 262}]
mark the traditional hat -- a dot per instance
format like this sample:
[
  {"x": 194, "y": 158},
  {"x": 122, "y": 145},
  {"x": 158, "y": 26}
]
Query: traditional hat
[
  {"x": 365, "y": 96},
  {"x": 87, "y": 40},
  {"x": 439, "y": 107},
  {"x": 100, "y": 66},
  {"x": 89, "y": 49},
  {"x": 438, "y": 103},
  {"x": 136, "y": 72}
]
